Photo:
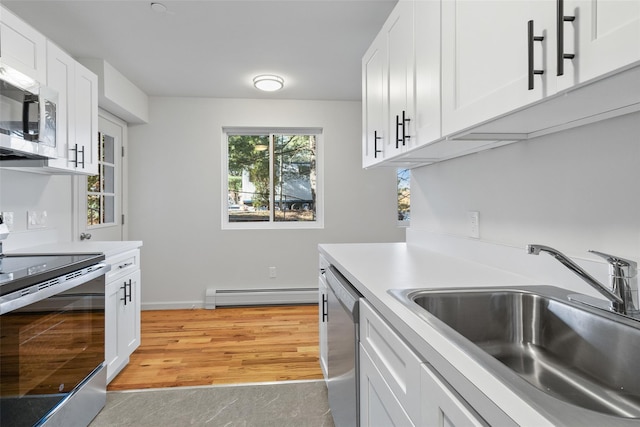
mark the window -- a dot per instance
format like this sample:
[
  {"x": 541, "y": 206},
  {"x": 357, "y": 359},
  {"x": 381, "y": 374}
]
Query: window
[
  {"x": 271, "y": 178},
  {"x": 404, "y": 196},
  {"x": 101, "y": 194}
]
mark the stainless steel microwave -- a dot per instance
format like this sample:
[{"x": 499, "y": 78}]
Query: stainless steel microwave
[{"x": 28, "y": 118}]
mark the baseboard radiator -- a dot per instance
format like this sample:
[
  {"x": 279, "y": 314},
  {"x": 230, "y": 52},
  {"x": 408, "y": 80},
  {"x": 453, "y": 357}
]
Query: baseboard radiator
[{"x": 226, "y": 297}]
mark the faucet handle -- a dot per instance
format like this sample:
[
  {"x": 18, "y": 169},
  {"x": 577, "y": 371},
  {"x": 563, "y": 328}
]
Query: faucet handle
[{"x": 616, "y": 261}]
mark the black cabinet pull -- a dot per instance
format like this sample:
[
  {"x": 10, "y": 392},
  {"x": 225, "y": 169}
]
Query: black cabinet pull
[
  {"x": 532, "y": 38},
  {"x": 405, "y": 120},
  {"x": 325, "y": 308},
  {"x": 560, "y": 20},
  {"x": 75, "y": 157},
  {"x": 124, "y": 288},
  {"x": 81, "y": 151},
  {"x": 375, "y": 144},
  {"x": 402, "y": 123}
]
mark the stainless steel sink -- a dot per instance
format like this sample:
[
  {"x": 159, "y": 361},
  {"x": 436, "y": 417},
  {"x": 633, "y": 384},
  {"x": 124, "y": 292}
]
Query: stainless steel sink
[{"x": 580, "y": 355}]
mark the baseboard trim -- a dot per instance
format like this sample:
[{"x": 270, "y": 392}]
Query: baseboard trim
[
  {"x": 245, "y": 297},
  {"x": 228, "y": 297},
  {"x": 180, "y": 305}
]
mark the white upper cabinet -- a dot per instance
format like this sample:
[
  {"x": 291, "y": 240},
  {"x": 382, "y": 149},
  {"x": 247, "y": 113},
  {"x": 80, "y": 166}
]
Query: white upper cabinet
[
  {"x": 487, "y": 68},
  {"x": 401, "y": 83},
  {"x": 468, "y": 75},
  {"x": 401, "y": 59},
  {"x": 600, "y": 36},
  {"x": 427, "y": 75},
  {"x": 388, "y": 74},
  {"x": 374, "y": 95},
  {"x": 28, "y": 51},
  {"x": 77, "y": 115},
  {"x": 61, "y": 77},
  {"x": 86, "y": 116},
  {"x": 22, "y": 47}
]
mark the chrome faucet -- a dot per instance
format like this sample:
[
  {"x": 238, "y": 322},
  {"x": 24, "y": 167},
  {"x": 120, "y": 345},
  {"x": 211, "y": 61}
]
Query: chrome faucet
[{"x": 622, "y": 273}]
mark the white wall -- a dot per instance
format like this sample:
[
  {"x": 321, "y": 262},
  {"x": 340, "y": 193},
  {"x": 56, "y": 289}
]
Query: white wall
[
  {"x": 575, "y": 190},
  {"x": 175, "y": 198},
  {"x": 24, "y": 191}
]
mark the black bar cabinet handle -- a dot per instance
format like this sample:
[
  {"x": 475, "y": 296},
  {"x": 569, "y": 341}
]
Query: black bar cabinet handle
[
  {"x": 560, "y": 20},
  {"x": 398, "y": 140},
  {"x": 75, "y": 157},
  {"x": 405, "y": 120},
  {"x": 124, "y": 288},
  {"x": 130, "y": 291},
  {"x": 325, "y": 311},
  {"x": 82, "y": 151},
  {"x": 375, "y": 144},
  {"x": 532, "y": 38}
]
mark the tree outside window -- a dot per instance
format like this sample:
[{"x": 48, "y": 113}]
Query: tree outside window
[
  {"x": 272, "y": 177},
  {"x": 404, "y": 196},
  {"x": 101, "y": 192}
]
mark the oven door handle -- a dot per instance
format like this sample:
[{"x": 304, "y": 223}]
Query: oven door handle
[{"x": 40, "y": 291}]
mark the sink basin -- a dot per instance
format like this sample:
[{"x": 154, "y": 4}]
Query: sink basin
[{"x": 580, "y": 355}]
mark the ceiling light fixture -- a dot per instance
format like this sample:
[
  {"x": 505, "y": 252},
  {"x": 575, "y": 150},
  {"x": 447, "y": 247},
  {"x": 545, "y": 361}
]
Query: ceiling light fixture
[
  {"x": 158, "y": 7},
  {"x": 268, "y": 82}
]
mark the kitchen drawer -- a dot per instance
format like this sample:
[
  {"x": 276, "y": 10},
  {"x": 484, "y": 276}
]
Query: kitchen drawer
[
  {"x": 442, "y": 406},
  {"x": 123, "y": 264},
  {"x": 378, "y": 405},
  {"x": 397, "y": 363}
]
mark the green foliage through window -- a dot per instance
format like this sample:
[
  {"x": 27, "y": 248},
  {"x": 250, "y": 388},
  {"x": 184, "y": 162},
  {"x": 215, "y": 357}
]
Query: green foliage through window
[
  {"x": 272, "y": 177},
  {"x": 101, "y": 188},
  {"x": 404, "y": 195}
]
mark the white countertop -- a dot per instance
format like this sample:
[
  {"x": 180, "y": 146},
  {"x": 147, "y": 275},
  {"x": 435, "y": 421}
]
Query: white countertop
[
  {"x": 375, "y": 268},
  {"x": 108, "y": 248}
]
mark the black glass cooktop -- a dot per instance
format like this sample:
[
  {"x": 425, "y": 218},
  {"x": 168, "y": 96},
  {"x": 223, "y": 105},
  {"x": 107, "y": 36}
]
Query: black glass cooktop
[{"x": 21, "y": 271}]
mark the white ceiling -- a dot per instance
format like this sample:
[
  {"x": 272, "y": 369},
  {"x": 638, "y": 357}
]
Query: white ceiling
[{"x": 213, "y": 48}]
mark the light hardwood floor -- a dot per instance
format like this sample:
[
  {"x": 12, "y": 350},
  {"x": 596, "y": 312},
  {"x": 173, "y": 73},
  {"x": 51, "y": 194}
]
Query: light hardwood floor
[{"x": 223, "y": 346}]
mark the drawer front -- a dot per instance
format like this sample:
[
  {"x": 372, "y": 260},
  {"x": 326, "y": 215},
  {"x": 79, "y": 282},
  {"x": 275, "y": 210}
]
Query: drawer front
[
  {"x": 442, "y": 407},
  {"x": 397, "y": 363},
  {"x": 378, "y": 405},
  {"x": 123, "y": 264}
]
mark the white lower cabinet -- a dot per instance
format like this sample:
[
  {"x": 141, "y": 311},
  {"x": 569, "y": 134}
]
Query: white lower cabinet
[
  {"x": 122, "y": 311},
  {"x": 394, "y": 360},
  {"x": 397, "y": 388},
  {"x": 440, "y": 405},
  {"x": 322, "y": 325},
  {"x": 378, "y": 405}
]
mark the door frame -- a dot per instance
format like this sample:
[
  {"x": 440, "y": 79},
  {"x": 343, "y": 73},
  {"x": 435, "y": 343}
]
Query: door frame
[{"x": 79, "y": 186}]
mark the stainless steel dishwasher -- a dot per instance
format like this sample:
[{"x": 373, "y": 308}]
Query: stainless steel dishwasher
[{"x": 342, "y": 343}]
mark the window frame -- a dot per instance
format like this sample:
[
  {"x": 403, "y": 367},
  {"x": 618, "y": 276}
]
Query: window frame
[{"x": 271, "y": 224}]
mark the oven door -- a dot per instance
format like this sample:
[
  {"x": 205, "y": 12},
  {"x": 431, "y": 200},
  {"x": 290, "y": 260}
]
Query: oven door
[{"x": 47, "y": 349}]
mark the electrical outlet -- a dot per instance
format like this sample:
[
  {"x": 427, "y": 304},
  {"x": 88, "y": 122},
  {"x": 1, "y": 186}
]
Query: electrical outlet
[
  {"x": 36, "y": 219},
  {"x": 473, "y": 219},
  {"x": 272, "y": 273},
  {"x": 7, "y": 218}
]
